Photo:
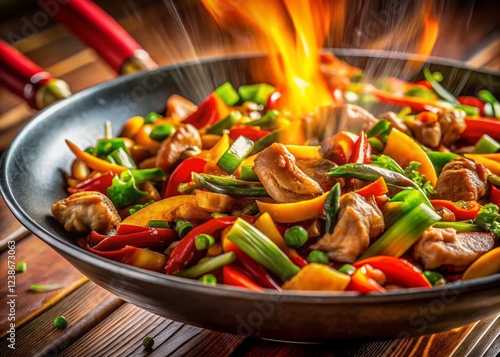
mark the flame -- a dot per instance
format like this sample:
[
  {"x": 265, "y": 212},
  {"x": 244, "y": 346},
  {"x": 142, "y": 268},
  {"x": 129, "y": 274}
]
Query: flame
[
  {"x": 429, "y": 32},
  {"x": 293, "y": 33}
]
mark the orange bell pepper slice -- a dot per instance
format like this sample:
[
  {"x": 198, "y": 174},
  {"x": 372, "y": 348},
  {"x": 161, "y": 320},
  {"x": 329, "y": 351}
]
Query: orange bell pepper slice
[
  {"x": 463, "y": 212},
  {"x": 94, "y": 162},
  {"x": 235, "y": 276},
  {"x": 487, "y": 161},
  {"x": 376, "y": 188},
  {"x": 403, "y": 149},
  {"x": 362, "y": 283},
  {"x": 397, "y": 271},
  {"x": 295, "y": 211}
]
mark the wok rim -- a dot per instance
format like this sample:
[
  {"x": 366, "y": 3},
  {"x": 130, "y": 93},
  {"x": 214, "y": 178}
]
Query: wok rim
[{"x": 188, "y": 285}]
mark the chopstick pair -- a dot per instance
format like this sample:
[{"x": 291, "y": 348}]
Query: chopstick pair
[{"x": 97, "y": 30}]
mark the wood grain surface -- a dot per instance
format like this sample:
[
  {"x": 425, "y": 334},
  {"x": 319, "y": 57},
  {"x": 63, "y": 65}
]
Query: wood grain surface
[{"x": 100, "y": 324}]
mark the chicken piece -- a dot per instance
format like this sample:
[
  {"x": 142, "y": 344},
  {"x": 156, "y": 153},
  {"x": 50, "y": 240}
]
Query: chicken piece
[
  {"x": 180, "y": 107},
  {"x": 171, "y": 149},
  {"x": 359, "y": 220},
  {"x": 83, "y": 212},
  {"x": 452, "y": 122},
  {"x": 346, "y": 117},
  {"x": 426, "y": 133},
  {"x": 283, "y": 180},
  {"x": 317, "y": 170},
  {"x": 396, "y": 122},
  {"x": 318, "y": 277},
  {"x": 444, "y": 246},
  {"x": 215, "y": 202},
  {"x": 462, "y": 180},
  {"x": 446, "y": 215}
]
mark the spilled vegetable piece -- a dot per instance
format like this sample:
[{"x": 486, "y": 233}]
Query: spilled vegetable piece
[{"x": 244, "y": 191}]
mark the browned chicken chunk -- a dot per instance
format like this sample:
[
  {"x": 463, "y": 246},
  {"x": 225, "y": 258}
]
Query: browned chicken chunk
[
  {"x": 396, "y": 122},
  {"x": 359, "y": 220},
  {"x": 426, "y": 133},
  {"x": 171, "y": 149},
  {"x": 83, "y": 212},
  {"x": 452, "y": 123},
  {"x": 282, "y": 179},
  {"x": 462, "y": 180},
  {"x": 445, "y": 247},
  {"x": 317, "y": 170},
  {"x": 346, "y": 117}
]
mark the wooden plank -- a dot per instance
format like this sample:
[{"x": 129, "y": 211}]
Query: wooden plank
[
  {"x": 8, "y": 223},
  {"x": 45, "y": 266},
  {"x": 480, "y": 338},
  {"x": 126, "y": 328},
  {"x": 84, "y": 308}
]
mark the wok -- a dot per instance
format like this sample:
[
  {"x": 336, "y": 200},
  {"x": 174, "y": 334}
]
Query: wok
[{"x": 32, "y": 179}]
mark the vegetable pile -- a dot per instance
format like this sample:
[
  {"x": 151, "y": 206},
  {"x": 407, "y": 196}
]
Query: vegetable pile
[{"x": 233, "y": 192}]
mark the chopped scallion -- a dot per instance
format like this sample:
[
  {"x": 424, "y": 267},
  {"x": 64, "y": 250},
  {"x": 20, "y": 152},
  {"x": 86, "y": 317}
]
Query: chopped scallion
[{"x": 236, "y": 153}]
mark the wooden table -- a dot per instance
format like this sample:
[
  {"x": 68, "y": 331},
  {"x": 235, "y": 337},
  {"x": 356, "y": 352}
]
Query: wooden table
[{"x": 102, "y": 324}]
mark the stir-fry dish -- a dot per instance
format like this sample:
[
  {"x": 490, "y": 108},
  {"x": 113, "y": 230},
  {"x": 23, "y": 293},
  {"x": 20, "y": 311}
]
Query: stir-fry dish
[{"x": 234, "y": 191}]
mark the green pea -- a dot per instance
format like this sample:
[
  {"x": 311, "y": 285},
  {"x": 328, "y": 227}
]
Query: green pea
[
  {"x": 148, "y": 342},
  {"x": 296, "y": 236},
  {"x": 61, "y": 322},
  {"x": 204, "y": 241},
  {"x": 208, "y": 279},
  {"x": 317, "y": 256}
]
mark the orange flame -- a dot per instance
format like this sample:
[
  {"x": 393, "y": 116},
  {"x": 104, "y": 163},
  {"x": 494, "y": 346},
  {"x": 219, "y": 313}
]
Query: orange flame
[
  {"x": 429, "y": 32},
  {"x": 293, "y": 33}
]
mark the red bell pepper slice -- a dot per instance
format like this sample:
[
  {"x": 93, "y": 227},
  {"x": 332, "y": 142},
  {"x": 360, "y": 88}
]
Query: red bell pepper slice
[
  {"x": 477, "y": 127},
  {"x": 99, "y": 184},
  {"x": 397, "y": 271},
  {"x": 495, "y": 195},
  {"x": 149, "y": 238},
  {"x": 362, "y": 283},
  {"x": 185, "y": 252},
  {"x": 208, "y": 113},
  {"x": 182, "y": 174},
  {"x": 376, "y": 188},
  {"x": 424, "y": 83},
  {"x": 343, "y": 146},
  {"x": 256, "y": 271},
  {"x": 361, "y": 151},
  {"x": 138, "y": 257},
  {"x": 249, "y": 132},
  {"x": 130, "y": 228},
  {"x": 234, "y": 276},
  {"x": 473, "y": 102},
  {"x": 468, "y": 210},
  {"x": 274, "y": 100}
]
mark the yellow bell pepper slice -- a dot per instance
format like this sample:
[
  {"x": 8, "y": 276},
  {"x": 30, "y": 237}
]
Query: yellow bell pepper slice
[
  {"x": 404, "y": 149},
  {"x": 94, "y": 162},
  {"x": 131, "y": 127},
  {"x": 318, "y": 277},
  {"x": 304, "y": 152},
  {"x": 486, "y": 265},
  {"x": 295, "y": 211},
  {"x": 214, "y": 154},
  {"x": 168, "y": 209},
  {"x": 266, "y": 225},
  {"x": 490, "y": 164}
]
